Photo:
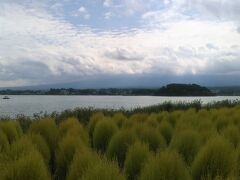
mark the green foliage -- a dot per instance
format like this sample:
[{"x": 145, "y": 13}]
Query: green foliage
[
  {"x": 119, "y": 118},
  {"x": 93, "y": 121},
  {"x": 73, "y": 127},
  {"x": 102, "y": 134},
  {"x": 166, "y": 131},
  {"x": 215, "y": 159},
  {"x": 167, "y": 165},
  {"x": 187, "y": 144},
  {"x": 65, "y": 152},
  {"x": 81, "y": 161},
  {"x": 103, "y": 169},
  {"x": 4, "y": 144},
  {"x": 47, "y": 128},
  {"x": 27, "y": 167},
  {"x": 232, "y": 134},
  {"x": 39, "y": 142},
  {"x": 158, "y": 142},
  {"x": 23, "y": 161},
  {"x": 11, "y": 129},
  {"x": 151, "y": 136},
  {"x": 118, "y": 145},
  {"x": 137, "y": 155}
]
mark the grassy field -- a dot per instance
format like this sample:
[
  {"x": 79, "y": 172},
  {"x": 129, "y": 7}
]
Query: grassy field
[{"x": 167, "y": 142}]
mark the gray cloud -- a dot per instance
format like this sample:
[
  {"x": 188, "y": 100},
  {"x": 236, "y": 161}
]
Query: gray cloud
[
  {"x": 124, "y": 55},
  {"x": 37, "y": 47}
]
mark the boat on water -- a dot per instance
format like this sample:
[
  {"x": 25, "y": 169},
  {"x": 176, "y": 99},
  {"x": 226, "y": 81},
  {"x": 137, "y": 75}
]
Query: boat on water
[{"x": 6, "y": 97}]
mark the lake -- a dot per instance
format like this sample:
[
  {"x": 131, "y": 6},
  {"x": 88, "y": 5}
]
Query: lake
[{"x": 28, "y": 105}]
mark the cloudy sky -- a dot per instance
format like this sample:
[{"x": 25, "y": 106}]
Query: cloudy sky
[{"x": 127, "y": 41}]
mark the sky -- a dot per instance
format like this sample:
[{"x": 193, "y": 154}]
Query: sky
[{"x": 119, "y": 42}]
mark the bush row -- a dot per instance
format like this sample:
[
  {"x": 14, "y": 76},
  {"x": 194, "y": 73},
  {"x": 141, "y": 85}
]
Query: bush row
[{"x": 187, "y": 144}]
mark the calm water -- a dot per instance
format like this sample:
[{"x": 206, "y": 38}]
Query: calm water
[{"x": 28, "y": 105}]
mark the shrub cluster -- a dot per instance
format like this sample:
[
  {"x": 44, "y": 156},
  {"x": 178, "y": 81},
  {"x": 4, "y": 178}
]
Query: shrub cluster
[{"x": 199, "y": 144}]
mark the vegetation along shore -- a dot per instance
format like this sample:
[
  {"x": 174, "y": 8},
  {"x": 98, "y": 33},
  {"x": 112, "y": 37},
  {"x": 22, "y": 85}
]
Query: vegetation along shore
[{"x": 168, "y": 141}]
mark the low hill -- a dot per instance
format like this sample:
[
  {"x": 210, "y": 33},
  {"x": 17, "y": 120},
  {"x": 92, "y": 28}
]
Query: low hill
[{"x": 183, "y": 90}]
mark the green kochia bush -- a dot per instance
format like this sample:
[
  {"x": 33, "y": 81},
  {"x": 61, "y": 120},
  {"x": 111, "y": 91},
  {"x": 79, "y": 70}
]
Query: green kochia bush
[
  {"x": 119, "y": 118},
  {"x": 4, "y": 144},
  {"x": 93, "y": 121},
  {"x": 47, "y": 128},
  {"x": 23, "y": 161},
  {"x": 39, "y": 142},
  {"x": 151, "y": 136},
  {"x": 27, "y": 167},
  {"x": 103, "y": 169},
  {"x": 11, "y": 129},
  {"x": 65, "y": 152},
  {"x": 137, "y": 155},
  {"x": 118, "y": 145},
  {"x": 74, "y": 127},
  {"x": 102, "y": 134},
  {"x": 166, "y": 130},
  {"x": 215, "y": 159},
  {"x": 232, "y": 134},
  {"x": 167, "y": 165},
  {"x": 82, "y": 159},
  {"x": 187, "y": 143}
]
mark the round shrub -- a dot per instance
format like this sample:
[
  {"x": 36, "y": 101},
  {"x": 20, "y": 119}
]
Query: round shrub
[
  {"x": 27, "y": 167},
  {"x": 23, "y": 161},
  {"x": 11, "y": 129},
  {"x": 103, "y": 170},
  {"x": 4, "y": 145},
  {"x": 74, "y": 127},
  {"x": 93, "y": 121},
  {"x": 65, "y": 153},
  {"x": 82, "y": 159},
  {"x": 39, "y": 142},
  {"x": 215, "y": 159},
  {"x": 102, "y": 134},
  {"x": 152, "y": 120},
  {"x": 139, "y": 117},
  {"x": 137, "y": 155},
  {"x": 47, "y": 128},
  {"x": 20, "y": 148},
  {"x": 152, "y": 137},
  {"x": 118, "y": 145},
  {"x": 166, "y": 131},
  {"x": 232, "y": 134},
  {"x": 221, "y": 123},
  {"x": 167, "y": 165},
  {"x": 119, "y": 118},
  {"x": 187, "y": 144}
]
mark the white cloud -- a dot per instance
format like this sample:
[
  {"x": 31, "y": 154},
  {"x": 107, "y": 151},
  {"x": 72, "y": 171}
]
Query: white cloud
[
  {"x": 108, "y": 15},
  {"x": 82, "y": 12},
  {"x": 36, "y": 47},
  {"x": 107, "y": 3}
]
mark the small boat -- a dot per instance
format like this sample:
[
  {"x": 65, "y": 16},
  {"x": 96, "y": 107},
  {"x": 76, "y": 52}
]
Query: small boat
[{"x": 6, "y": 97}]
